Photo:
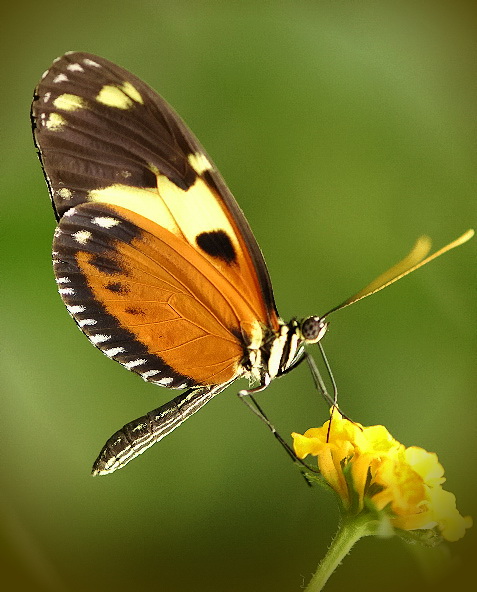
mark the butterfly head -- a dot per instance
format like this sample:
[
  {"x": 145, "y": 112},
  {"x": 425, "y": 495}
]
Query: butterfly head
[{"x": 313, "y": 329}]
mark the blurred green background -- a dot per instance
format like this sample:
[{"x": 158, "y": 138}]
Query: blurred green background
[{"x": 345, "y": 130}]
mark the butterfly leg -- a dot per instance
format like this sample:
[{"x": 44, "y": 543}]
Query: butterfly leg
[
  {"x": 247, "y": 397},
  {"x": 138, "y": 435}
]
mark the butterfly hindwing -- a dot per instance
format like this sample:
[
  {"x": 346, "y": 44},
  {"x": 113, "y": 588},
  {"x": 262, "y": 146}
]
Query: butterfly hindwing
[{"x": 148, "y": 300}]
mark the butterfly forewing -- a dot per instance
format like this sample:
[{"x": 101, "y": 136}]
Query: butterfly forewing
[{"x": 105, "y": 136}]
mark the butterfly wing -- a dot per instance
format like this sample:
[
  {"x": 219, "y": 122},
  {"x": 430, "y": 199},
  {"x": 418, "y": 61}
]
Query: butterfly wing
[
  {"x": 149, "y": 300},
  {"x": 106, "y": 137}
]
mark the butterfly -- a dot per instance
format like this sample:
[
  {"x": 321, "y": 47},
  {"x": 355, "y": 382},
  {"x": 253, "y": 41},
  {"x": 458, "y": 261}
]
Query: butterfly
[{"x": 153, "y": 257}]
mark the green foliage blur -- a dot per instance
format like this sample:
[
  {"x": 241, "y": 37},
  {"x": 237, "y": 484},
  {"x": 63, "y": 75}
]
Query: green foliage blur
[{"x": 345, "y": 130}]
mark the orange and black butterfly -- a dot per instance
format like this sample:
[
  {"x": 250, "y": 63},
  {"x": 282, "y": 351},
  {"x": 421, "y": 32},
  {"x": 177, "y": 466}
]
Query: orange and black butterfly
[{"x": 153, "y": 257}]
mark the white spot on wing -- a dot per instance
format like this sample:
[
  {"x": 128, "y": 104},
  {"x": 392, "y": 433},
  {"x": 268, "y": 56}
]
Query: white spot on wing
[
  {"x": 66, "y": 291},
  {"x": 99, "y": 338},
  {"x": 113, "y": 351},
  {"x": 76, "y": 308},
  {"x": 150, "y": 373},
  {"x": 82, "y": 236},
  {"x": 164, "y": 381},
  {"x": 87, "y": 322},
  {"x": 75, "y": 68},
  {"x": 70, "y": 212},
  {"x": 60, "y": 78},
  {"x": 134, "y": 363},
  {"x": 46, "y": 98},
  {"x": 105, "y": 221},
  {"x": 63, "y": 280},
  {"x": 89, "y": 62}
]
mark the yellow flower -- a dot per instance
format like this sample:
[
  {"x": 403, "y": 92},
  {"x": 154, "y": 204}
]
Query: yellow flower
[{"x": 367, "y": 466}]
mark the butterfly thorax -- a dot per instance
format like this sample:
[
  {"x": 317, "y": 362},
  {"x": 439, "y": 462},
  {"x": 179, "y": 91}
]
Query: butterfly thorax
[{"x": 272, "y": 353}]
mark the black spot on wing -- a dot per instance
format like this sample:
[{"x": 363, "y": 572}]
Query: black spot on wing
[
  {"x": 217, "y": 244},
  {"x": 134, "y": 310},
  {"x": 107, "y": 265},
  {"x": 117, "y": 288}
]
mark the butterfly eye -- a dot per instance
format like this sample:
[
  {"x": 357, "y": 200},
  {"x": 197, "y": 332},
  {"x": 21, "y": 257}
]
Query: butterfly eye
[{"x": 313, "y": 329}]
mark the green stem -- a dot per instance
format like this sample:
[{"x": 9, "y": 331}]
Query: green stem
[{"x": 349, "y": 532}]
